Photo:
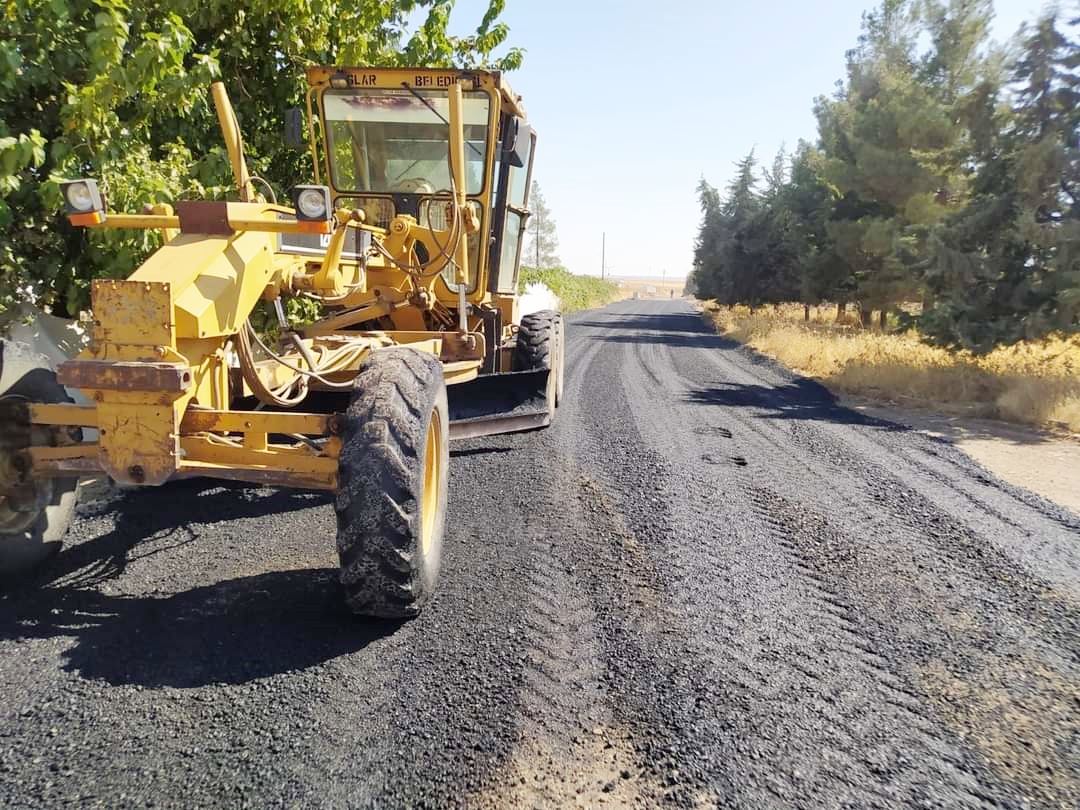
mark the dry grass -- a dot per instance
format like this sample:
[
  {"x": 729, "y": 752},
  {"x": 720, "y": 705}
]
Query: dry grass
[{"x": 1030, "y": 383}]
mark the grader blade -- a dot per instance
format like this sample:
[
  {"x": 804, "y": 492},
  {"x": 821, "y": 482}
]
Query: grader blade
[{"x": 500, "y": 403}]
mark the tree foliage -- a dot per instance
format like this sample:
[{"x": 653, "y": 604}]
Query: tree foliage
[
  {"x": 119, "y": 91},
  {"x": 942, "y": 173}
]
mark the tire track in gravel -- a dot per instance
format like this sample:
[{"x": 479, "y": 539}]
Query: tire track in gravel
[
  {"x": 1013, "y": 689},
  {"x": 659, "y": 688},
  {"x": 993, "y": 615},
  {"x": 703, "y": 586},
  {"x": 571, "y": 748},
  {"x": 1047, "y": 533},
  {"x": 745, "y": 667},
  {"x": 836, "y": 642},
  {"x": 570, "y": 751},
  {"x": 843, "y": 647}
]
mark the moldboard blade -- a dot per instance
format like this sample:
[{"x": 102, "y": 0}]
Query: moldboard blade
[{"x": 499, "y": 403}]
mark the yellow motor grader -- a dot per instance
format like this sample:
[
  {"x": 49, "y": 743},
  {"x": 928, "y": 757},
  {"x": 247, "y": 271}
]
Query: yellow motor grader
[{"x": 409, "y": 241}]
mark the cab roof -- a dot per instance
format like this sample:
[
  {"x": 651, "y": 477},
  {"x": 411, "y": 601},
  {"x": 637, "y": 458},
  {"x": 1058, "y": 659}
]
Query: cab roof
[{"x": 416, "y": 78}]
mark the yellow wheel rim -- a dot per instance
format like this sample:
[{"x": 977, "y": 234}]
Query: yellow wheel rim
[{"x": 433, "y": 462}]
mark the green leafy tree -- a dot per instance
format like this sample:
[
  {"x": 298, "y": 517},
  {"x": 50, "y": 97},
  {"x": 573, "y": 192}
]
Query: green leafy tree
[{"x": 119, "y": 91}]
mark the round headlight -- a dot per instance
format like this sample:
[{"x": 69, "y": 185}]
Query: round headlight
[
  {"x": 312, "y": 203},
  {"x": 79, "y": 196}
]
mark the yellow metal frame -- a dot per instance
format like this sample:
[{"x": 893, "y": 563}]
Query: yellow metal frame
[{"x": 158, "y": 370}]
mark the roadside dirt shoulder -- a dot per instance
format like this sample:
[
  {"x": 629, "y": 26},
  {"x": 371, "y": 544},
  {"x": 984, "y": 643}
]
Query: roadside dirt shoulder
[{"x": 1041, "y": 462}]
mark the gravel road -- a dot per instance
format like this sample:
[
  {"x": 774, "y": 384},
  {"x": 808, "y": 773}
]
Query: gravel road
[{"x": 707, "y": 585}]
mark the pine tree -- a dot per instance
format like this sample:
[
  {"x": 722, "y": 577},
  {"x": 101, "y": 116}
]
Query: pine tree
[
  {"x": 542, "y": 242},
  {"x": 924, "y": 184},
  {"x": 1007, "y": 267},
  {"x": 899, "y": 139},
  {"x": 704, "y": 276},
  {"x": 731, "y": 240},
  {"x": 822, "y": 272},
  {"x": 761, "y": 246}
]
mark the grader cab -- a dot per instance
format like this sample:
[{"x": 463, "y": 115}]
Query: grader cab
[{"x": 409, "y": 240}]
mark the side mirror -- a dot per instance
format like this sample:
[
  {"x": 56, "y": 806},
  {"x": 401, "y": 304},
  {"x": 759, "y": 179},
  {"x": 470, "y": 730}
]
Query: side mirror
[
  {"x": 517, "y": 142},
  {"x": 295, "y": 137}
]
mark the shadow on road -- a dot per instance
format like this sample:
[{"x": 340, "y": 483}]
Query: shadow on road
[
  {"x": 798, "y": 399},
  {"x": 686, "y": 322},
  {"x": 670, "y": 329},
  {"x": 228, "y": 632},
  {"x": 666, "y": 338}
]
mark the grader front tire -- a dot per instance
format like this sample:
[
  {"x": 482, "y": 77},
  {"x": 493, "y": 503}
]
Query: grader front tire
[
  {"x": 392, "y": 484},
  {"x": 35, "y": 517},
  {"x": 540, "y": 344}
]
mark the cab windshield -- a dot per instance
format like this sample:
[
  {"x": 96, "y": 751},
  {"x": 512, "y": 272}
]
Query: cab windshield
[{"x": 391, "y": 141}]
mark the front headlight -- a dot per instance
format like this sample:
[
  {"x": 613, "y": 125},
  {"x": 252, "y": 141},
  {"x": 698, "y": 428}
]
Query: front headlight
[
  {"x": 311, "y": 202},
  {"x": 82, "y": 196}
]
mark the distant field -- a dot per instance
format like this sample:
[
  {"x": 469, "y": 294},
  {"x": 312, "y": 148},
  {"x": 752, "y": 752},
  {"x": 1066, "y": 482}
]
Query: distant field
[
  {"x": 1034, "y": 383},
  {"x": 629, "y": 287}
]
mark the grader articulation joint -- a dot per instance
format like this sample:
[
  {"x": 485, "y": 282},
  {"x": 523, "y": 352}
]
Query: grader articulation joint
[{"x": 409, "y": 240}]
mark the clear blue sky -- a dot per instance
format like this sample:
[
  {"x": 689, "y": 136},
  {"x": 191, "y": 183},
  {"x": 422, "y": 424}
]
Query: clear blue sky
[{"x": 635, "y": 101}]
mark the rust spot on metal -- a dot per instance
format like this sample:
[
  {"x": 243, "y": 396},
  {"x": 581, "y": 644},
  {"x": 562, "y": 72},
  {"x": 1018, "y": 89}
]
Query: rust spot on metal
[
  {"x": 106, "y": 375},
  {"x": 138, "y": 435},
  {"x": 204, "y": 216},
  {"x": 204, "y": 420},
  {"x": 132, "y": 312},
  {"x": 63, "y": 413}
]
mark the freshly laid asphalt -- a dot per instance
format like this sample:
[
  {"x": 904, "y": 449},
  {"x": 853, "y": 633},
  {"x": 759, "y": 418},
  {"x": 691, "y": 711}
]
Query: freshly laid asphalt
[{"x": 706, "y": 585}]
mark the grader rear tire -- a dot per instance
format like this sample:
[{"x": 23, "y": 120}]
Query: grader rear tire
[
  {"x": 32, "y": 527},
  {"x": 392, "y": 484}
]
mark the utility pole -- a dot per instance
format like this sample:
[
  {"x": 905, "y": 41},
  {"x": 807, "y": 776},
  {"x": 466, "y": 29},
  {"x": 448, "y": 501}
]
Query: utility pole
[{"x": 603, "y": 251}]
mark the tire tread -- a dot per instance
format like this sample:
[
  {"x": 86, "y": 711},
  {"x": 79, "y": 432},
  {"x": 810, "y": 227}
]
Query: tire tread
[{"x": 384, "y": 433}]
